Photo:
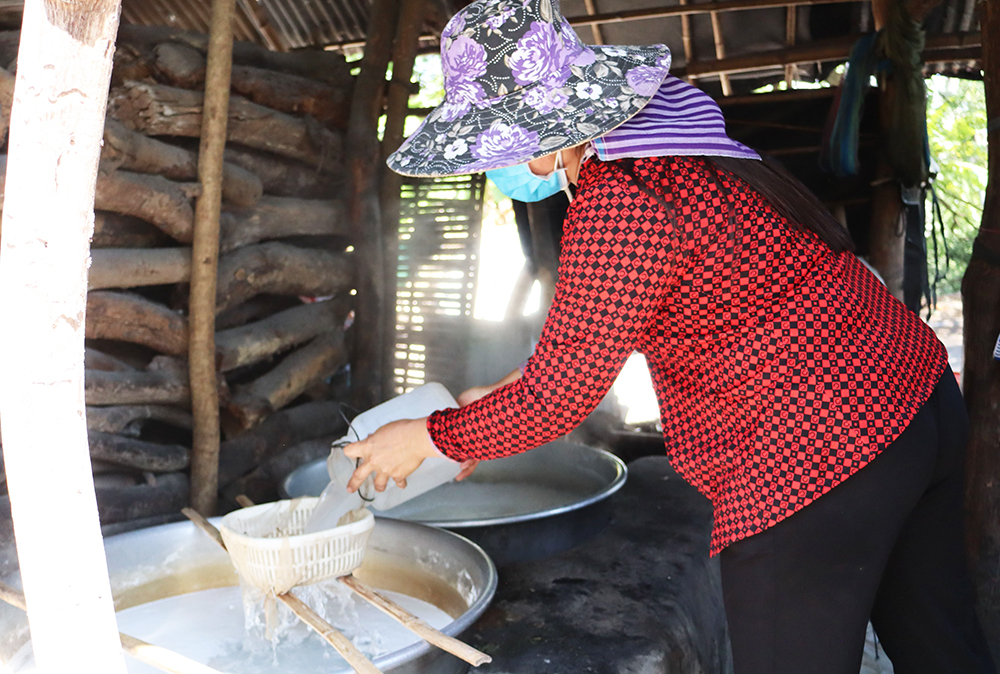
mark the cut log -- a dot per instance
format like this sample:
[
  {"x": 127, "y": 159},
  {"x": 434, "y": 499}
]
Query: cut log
[
  {"x": 131, "y": 318},
  {"x": 113, "y": 479},
  {"x": 141, "y": 388},
  {"x": 253, "y": 310},
  {"x": 166, "y": 495},
  {"x": 253, "y": 343},
  {"x": 329, "y": 105},
  {"x": 139, "y": 454},
  {"x": 286, "y": 178},
  {"x": 180, "y": 65},
  {"x": 277, "y": 433},
  {"x": 280, "y": 269},
  {"x": 319, "y": 359},
  {"x": 159, "y": 110},
  {"x": 280, "y": 217},
  {"x": 128, "y": 420},
  {"x": 155, "y": 199},
  {"x": 130, "y": 268},
  {"x": 315, "y": 64},
  {"x": 128, "y": 149},
  {"x": 135, "y": 388},
  {"x": 263, "y": 484},
  {"x": 114, "y": 230},
  {"x": 184, "y": 66},
  {"x": 98, "y": 360}
]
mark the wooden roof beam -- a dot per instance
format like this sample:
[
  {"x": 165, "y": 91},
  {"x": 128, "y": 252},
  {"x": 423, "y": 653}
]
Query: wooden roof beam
[
  {"x": 939, "y": 48},
  {"x": 691, "y": 9}
]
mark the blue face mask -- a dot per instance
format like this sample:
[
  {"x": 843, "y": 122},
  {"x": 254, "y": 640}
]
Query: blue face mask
[{"x": 519, "y": 183}]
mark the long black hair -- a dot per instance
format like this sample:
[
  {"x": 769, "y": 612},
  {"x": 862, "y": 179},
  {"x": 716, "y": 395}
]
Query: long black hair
[
  {"x": 788, "y": 196},
  {"x": 773, "y": 182}
]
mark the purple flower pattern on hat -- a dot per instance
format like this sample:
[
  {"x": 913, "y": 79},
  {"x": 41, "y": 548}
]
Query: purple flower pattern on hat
[
  {"x": 546, "y": 100},
  {"x": 520, "y": 84},
  {"x": 644, "y": 80},
  {"x": 464, "y": 60},
  {"x": 543, "y": 56},
  {"x": 506, "y": 142}
]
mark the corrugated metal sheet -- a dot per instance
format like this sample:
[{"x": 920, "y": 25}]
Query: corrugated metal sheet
[{"x": 281, "y": 25}]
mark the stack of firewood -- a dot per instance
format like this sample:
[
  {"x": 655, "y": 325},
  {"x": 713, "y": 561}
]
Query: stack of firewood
[{"x": 284, "y": 279}]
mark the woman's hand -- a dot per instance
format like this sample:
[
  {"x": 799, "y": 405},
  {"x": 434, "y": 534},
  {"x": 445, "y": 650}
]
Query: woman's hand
[{"x": 393, "y": 451}]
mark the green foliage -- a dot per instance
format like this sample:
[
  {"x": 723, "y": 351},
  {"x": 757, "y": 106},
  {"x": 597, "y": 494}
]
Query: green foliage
[
  {"x": 426, "y": 71},
  {"x": 956, "y": 127}
]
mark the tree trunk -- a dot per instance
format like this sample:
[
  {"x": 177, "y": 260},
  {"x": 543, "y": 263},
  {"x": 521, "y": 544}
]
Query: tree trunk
[
  {"x": 280, "y": 269},
  {"x": 128, "y": 268},
  {"x": 159, "y": 110},
  {"x": 256, "y": 342},
  {"x": 280, "y": 217},
  {"x": 131, "y": 318},
  {"x": 64, "y": 68},
  {"x": 981, "y": 378},
  {"x": 365, "y": 165}
]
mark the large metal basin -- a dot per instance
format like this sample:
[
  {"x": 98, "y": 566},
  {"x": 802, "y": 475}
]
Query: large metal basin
[
  {"x": 519, "y": 508},
  {"x": 429, "y": 564}
]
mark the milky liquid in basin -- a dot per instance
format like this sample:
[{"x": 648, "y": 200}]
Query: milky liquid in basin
[{"x": 208, "y": 626}]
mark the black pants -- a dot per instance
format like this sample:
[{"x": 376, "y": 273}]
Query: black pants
[{"x": 886, "y": 544}]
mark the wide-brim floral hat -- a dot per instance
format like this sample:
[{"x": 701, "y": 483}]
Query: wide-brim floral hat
[{"x": 519, "y": 84}]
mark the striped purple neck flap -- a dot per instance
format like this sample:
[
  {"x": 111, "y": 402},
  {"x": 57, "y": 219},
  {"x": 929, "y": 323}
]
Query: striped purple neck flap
[{"x": 679, "y": 120}]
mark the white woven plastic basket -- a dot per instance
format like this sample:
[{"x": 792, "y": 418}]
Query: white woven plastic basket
[{"x": 268, "y": 548}]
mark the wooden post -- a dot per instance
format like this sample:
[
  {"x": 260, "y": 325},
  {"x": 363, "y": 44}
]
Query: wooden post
[
  {"x": 57, "y": 121},
  {"x": 205, "y": 262},
  {"x": 720, "y": 52},
  {"x": 981, "y": 376},
  {"x": 411, "y": 22},
  {"x": 686, "y": 41},
  {"x": 887, "y": 232},
  {"x": 364, "y": 167}
]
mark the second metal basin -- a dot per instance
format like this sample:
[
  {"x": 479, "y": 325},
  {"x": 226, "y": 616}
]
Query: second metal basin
[{"x": 519, "y": 508}]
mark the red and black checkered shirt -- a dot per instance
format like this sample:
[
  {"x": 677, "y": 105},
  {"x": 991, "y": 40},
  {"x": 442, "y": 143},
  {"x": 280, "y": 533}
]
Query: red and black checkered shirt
[{"x": 781, "y": 367}]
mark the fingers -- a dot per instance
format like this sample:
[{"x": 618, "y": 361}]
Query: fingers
[
  {"x": 468, "y": 467},
  {"x": 360, "y": 474}
]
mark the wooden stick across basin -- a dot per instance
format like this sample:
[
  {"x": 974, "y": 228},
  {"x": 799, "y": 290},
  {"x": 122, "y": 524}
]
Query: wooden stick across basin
[
  {"x": 411, "y": 622},
  {"x": 340, "y": 643},
  {"x": 155, "y": 656}
]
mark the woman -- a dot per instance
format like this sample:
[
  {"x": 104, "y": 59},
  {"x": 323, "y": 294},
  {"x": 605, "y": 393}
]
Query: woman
[{"x": 815, "y": 412}]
